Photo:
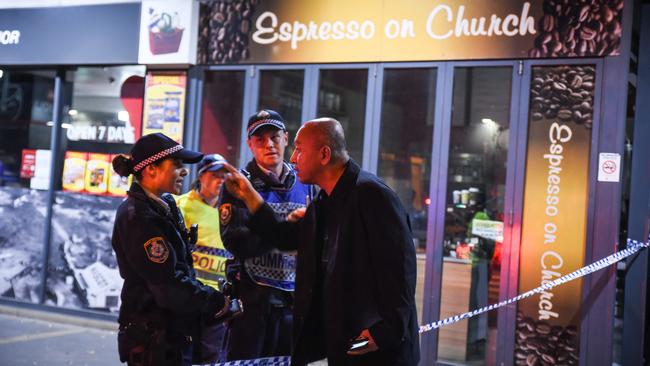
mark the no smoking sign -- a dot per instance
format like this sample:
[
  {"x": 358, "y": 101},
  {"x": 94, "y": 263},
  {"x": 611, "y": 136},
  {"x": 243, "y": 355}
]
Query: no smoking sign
[{"x": 609, "y": 167}]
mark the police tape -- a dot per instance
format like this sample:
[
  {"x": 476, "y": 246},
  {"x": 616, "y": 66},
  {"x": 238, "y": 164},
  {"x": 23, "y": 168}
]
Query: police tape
[
  {"x": 633, "y": 246},
  {"x": 267, "y": 361}
]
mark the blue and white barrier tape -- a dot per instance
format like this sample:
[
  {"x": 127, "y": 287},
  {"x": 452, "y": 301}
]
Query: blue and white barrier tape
[
  {"x": 268, "y": 361},
  {"x": 633, "y": 246}
]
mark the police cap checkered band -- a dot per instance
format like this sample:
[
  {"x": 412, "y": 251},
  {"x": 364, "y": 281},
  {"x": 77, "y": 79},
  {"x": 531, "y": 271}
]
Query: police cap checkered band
[
  {"x": 265, "y": 117},
  {"x": 155, "y": 157},
  {"x": 156, "y": 146}
]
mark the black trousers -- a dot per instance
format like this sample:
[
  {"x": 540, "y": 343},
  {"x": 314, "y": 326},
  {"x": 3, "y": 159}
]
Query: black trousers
[
  {"x": 161, "y": 349},
  {"x": 261, "y": 331}
]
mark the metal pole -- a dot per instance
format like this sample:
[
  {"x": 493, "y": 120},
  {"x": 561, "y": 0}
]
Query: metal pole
[{"x": 55, "y": 144}]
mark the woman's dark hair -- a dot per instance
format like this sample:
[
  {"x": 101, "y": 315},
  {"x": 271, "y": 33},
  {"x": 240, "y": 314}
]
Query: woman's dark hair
[{"x": 123, "y": 165}]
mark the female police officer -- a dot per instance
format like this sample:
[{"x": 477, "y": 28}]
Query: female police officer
[{"x": 163, "y": 304}]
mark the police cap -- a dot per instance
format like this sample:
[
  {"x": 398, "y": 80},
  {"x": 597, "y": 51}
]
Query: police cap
[
  {"x": 265, "y": 117},
  {"x": 150, "y": 149}
]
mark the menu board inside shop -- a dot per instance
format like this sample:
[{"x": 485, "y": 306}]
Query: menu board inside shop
[
  {"x": 96, "y": 177},
  {"x": 164, "y": 104},
  {"x": 92, "y": 173},
  {"x": 295, "y": 31}
]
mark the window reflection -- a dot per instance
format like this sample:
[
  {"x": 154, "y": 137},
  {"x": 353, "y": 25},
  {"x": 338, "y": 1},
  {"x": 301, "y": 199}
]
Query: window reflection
[
  {"x": 281, "y": 91},
  {"x": 26, "y": 101},
  {"x": 342, "y": 95},
  {"x": 405, "y": 149},
  {"x": 221, "y": 117},
  {"x": 474, "y": 211},
  {"x": 102, "y": 117}
]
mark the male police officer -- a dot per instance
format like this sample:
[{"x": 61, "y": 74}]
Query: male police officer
[{"x": 264, "y": 279}]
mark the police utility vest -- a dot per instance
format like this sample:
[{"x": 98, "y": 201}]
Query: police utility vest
[{"x": 274, "y": 268}]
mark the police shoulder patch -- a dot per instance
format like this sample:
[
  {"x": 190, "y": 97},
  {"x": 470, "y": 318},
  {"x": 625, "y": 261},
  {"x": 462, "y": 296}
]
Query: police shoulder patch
[
  {"x": 156, "y": 250},
  {"x": 225, "y": 213}
]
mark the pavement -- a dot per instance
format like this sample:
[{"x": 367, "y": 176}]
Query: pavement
[{"x": 32, "y": 338}]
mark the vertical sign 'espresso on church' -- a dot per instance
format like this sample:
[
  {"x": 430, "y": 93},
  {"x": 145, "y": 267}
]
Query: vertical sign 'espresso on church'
[
  {"x": 555, "y": 212},
  {"x": 253, "y": 31}
]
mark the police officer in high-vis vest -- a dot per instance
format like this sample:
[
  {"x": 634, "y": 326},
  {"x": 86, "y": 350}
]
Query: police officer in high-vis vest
[
  {"x": 263, "y": 279},
  {"x": 199, "y": 207},
  {"x": 163, "y": 304}
]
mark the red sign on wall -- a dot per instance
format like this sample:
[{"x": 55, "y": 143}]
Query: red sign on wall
[{"x": 28, "y": 164}]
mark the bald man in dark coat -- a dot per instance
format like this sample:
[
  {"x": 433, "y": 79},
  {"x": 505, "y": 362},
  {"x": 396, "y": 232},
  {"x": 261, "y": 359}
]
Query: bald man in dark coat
[{"x": 356, "y": 271}]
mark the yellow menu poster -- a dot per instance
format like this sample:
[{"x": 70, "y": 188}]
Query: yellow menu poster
[
  {"x": 74, "y": 168},
  {"x": 97, "y": 173},
  {"x": 164, "y": 105}
]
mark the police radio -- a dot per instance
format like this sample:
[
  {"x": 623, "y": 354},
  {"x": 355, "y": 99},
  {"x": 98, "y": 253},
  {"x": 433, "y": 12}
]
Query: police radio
[{"x": 193, "y": 234}]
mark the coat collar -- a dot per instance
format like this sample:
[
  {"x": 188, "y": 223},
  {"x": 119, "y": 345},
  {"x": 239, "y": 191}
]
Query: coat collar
[
  {"x": 347, "y": 180},
  {"x": 137, "y": 192}
]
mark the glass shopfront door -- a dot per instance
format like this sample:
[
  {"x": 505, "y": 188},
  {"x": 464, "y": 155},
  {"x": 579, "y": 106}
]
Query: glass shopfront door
[
  {"x": 474, "y": 211},
  {"x": 451, "y": 140}
]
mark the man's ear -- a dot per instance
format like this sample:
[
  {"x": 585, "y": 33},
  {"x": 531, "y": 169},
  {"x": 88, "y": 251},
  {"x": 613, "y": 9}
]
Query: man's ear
[{"x": 325, "y": 155}]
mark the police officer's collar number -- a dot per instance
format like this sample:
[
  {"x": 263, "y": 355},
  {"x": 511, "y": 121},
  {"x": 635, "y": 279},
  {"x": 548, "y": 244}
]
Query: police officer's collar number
[{"x": 156, "y": 250}]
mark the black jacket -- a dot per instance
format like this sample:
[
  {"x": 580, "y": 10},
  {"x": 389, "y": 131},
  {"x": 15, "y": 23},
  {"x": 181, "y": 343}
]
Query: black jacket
[
  {"x": 371, "y": 275},
  {"x": 155, "y": 260}
]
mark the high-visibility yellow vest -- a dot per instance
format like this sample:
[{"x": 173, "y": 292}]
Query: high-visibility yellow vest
[{"x": 209, "y": 256}]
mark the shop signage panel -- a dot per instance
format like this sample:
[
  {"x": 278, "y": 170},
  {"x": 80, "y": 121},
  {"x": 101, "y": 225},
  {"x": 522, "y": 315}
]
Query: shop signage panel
[
  {"x": 164, "y": 104},
  {"x": 296, "y": 31},
  {"x": 94, "y": 34},
  {"x": 42, "y": 165},
  {"x": 554, "y": 227},
  {"x": 28, "y": 164},
  {"x": 168, "y": 32}
]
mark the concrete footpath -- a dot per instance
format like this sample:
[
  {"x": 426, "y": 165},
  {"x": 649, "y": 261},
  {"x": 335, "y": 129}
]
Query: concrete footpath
[
  {"x": 33, "y": 337},
  {"x": 37, "y": 338}
]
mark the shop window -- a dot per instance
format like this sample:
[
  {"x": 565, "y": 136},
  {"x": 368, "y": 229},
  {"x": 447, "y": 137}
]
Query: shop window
[
  {"x": 102, "y": 117},
  {"x": 281, "y": 91},
  {"x": 407, "y": 115},
  {"x": 342, "y": 95},
  {"x": 221, "y": 116},
  {"x": 474, "y": 211},
  {"x": 26, "y": 100}
]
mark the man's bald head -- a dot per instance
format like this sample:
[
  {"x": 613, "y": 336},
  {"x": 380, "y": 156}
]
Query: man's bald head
[{"x": 328, "y": 132}]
